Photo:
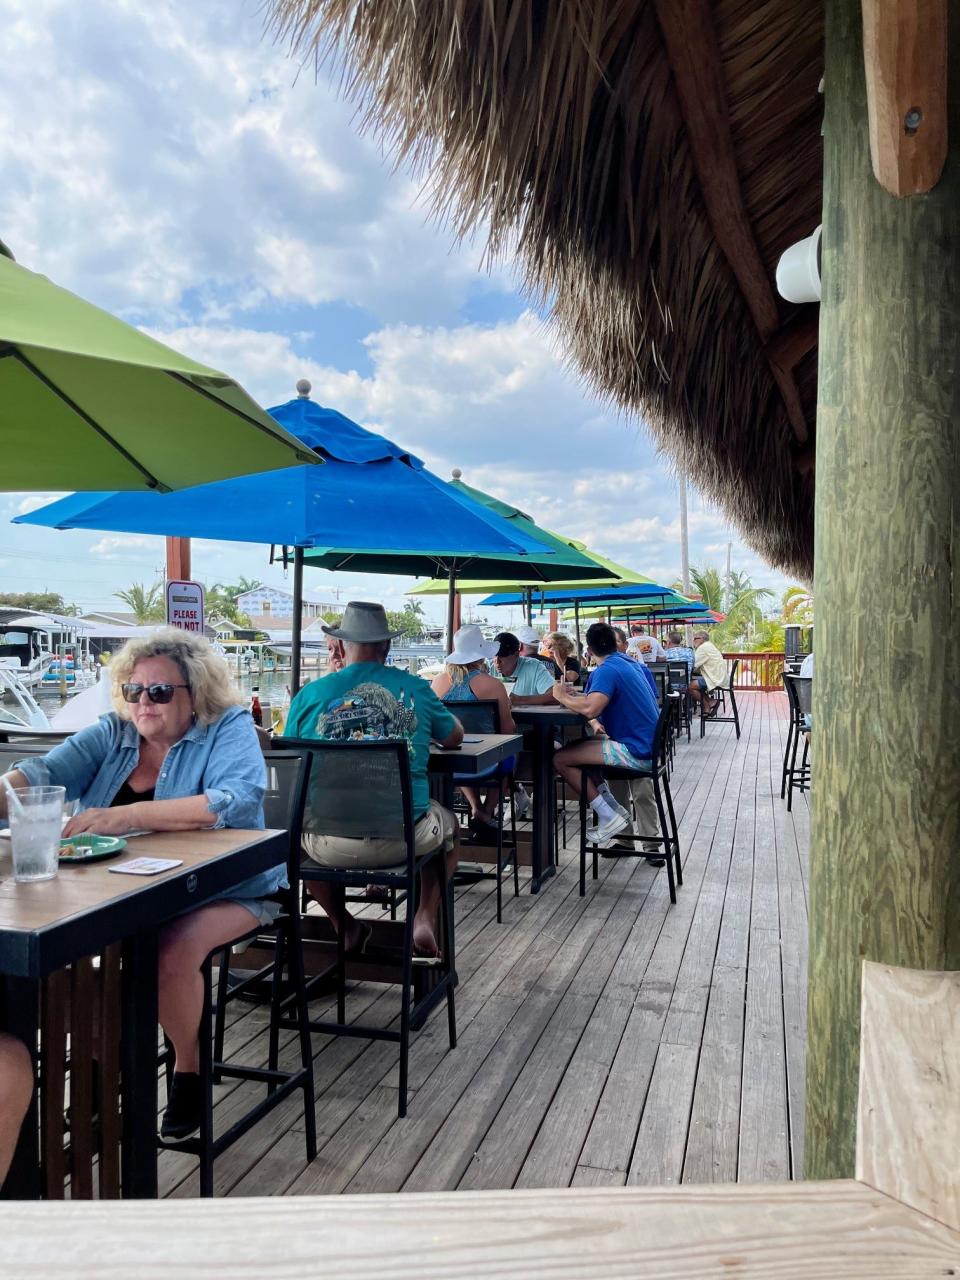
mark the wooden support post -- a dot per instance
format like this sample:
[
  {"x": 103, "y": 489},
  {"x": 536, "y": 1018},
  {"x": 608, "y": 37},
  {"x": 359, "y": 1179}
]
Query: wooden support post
[
  {"x": 885, "y": 855},
  {"x": 178, "y": 559}
]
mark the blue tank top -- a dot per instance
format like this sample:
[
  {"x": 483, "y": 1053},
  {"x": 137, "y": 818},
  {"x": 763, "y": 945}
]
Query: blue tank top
[{"x": 462, "y": 692}]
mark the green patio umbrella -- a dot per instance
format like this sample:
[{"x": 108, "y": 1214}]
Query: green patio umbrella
[{"x": 88, "y": 402}]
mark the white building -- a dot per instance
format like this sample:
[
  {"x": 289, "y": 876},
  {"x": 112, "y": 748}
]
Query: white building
[{"x": 265, "y": 603}]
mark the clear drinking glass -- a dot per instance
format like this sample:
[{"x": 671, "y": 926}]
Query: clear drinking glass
[{"x": 35, "y": 827}]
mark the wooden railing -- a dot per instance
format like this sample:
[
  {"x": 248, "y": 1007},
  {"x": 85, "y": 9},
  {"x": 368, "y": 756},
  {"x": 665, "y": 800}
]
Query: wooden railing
[{"x": 758, "y": 671}]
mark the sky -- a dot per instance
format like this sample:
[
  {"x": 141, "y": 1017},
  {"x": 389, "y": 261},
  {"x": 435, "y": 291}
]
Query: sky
[{"x": 171, "y": 163}]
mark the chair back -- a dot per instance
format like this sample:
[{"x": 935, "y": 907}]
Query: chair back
[
  {"x": 660, "y": 679},
  {"x": 357, "y": 789},
  {"x": 658, "y": 667},
  {"x": 288, "y": 773},
  {"x": 678, "y": 677},
  {"x": 800, "y": 692},
  {"x": 731, "y": 675},
  {"x": 479, "y": 716},
  {"x": 660, "y": 735}
]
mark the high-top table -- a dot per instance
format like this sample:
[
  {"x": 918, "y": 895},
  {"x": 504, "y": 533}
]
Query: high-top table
[
  {"x": 540, "y": 724},
  {"x": 47, "y": 924}
]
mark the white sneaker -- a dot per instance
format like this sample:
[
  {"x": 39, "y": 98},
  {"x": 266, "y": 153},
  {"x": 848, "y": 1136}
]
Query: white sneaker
[
  {"x": 522, "y": 802},
  {"x": 612, "y": 803},
  {"x": 604, "y": 832}
]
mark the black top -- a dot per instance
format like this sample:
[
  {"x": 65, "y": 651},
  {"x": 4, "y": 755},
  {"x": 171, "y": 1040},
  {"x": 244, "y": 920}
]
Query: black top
[
  {"x": 571, "y": 664},
  {"x": 127, "y": 795}
]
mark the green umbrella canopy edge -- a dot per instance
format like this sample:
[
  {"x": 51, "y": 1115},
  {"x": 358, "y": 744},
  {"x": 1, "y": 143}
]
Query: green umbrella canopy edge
[{"x": 89, "y": 402}]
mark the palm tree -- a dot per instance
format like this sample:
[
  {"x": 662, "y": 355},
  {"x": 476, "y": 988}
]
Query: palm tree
[
  {"x": 709, "y": 586},
  {"x": 798, "y": 606},
  {"x": 146, "y": 604}
]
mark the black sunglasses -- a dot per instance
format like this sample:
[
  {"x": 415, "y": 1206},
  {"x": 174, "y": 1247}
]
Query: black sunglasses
[{"x": 155, "y": 692}]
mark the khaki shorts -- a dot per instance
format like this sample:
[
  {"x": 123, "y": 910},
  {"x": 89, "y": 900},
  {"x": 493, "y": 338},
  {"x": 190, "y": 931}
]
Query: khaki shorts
[{"x": 437, "y": 826}]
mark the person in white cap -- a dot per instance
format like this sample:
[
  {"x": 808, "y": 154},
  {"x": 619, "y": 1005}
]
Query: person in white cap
[
  {"x": 368, "y": 699},
  {"x": 530, "y": 638},
  {"x": 465, "y": 679}
]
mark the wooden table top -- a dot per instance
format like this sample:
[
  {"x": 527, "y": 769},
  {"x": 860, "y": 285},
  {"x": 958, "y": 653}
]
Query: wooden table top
[
  {"x": 80, "y": 891},
  {"x": 813, "y": 1230},
  {"x": 547, "y": 715},
  {"x": 483, "y": 751}
]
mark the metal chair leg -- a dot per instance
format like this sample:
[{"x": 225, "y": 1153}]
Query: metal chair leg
[
  {"x": 583, "y": 837},
  {"x": 662, "y": 817},
  {"x": 206, "y": 1083}
]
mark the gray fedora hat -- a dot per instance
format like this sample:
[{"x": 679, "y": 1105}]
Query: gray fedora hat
[{"x": 362, "y": 623}]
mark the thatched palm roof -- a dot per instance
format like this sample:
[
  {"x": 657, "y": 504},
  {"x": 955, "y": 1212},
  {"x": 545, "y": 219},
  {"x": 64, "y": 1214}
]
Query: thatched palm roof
[{"x": 651, "y": 160}]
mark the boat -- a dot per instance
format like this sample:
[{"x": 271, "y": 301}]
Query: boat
[
  {"x": 29, "y": 714},
  {"x": 30, "y": 643}
]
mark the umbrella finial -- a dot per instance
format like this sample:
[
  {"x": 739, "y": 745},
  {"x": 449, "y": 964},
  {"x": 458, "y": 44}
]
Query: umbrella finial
[
  {"x": 303, "y": 389},
  {"x": 457, "y": 473}
]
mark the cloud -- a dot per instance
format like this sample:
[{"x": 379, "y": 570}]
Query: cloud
[
  {"x": 183, "y": 164},
  {"x": 34, "y": 501},
  {"x": 116, "y": 545}
]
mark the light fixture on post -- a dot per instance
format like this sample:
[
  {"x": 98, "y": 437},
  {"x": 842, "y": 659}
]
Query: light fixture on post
[{"x": 798, "y": 271}]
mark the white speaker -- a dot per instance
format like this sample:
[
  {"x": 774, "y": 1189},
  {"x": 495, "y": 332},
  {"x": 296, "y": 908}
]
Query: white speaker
[{"x": 798, "y": 271}]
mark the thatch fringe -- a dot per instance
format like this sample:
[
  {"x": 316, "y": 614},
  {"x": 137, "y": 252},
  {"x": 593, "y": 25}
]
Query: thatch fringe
[{"x": 554, "y": 126}]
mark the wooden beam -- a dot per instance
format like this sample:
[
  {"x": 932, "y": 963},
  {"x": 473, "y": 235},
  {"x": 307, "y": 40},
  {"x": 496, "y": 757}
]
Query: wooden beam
[
  {"x": 790, "y": 344},
  {"x": 178, "y": 559},
  {"x": 905, "y": 62},
  {"x": 694, "y": 56},
  {"x": 791, "y": 401},
  {"x": 908, "y": 1122},
  {"x": 885, "y": 824}
]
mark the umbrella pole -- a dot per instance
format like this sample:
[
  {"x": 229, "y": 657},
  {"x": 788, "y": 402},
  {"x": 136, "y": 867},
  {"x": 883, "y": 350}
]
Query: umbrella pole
[
  {"x": 529, "y": 595},
  {"x": 451, "y": 606},
  {"x": 297, "y": 621},
  {"x": 576, "y": 626}
]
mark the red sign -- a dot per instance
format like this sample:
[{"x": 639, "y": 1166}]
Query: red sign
[{"x": 185, "y": 606}]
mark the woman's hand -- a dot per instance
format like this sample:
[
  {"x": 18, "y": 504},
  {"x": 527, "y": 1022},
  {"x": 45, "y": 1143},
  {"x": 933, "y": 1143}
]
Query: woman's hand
[{"x": 104, "y": 822}]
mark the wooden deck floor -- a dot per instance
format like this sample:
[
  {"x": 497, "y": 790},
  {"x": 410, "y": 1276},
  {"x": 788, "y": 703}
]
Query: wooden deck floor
[{"x": 604, "y": 1040}]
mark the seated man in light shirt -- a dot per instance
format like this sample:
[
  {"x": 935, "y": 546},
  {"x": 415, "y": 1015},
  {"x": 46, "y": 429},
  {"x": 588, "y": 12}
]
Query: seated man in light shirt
[
  {"x": 644, "y": 646},
  {"x": 709, "y": 672},
  {"x": 530, "y": 639},
  {"x": 533, "y": 679},
  {"x": 677, "y": 651}
]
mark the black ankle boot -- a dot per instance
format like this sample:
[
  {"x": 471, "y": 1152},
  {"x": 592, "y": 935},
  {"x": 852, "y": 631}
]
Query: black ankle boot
[{"x": 184, "y": 1106}]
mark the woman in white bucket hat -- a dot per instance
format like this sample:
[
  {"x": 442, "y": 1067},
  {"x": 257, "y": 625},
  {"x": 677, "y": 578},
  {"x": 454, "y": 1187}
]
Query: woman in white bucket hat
[{"x": 465, "y": 678}]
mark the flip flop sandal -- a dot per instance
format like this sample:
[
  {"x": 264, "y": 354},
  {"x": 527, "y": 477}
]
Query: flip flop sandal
[{"x": 359, "y": 948}]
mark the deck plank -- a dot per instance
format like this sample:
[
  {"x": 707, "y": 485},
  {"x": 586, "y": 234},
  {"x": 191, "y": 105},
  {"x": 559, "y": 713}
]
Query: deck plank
[{"x": 603, "y": 1039}]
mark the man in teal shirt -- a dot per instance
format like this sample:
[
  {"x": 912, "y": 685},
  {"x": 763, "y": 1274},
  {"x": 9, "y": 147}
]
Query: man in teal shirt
[
  {"x": 369, "y": 700},
  {"x": 533, "y": 679}
]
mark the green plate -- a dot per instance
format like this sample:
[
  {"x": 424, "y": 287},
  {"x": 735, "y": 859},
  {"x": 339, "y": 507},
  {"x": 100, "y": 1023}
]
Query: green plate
[{"x": 87, "y": 848}]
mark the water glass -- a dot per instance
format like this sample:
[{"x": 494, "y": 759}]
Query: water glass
[{"x": 35, "y": 828}]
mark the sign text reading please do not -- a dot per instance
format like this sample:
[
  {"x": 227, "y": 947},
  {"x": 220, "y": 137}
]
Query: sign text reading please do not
[{"x": 185, "y": 606}]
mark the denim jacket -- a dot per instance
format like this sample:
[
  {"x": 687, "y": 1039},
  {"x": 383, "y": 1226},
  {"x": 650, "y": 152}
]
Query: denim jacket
[{"x": 222, "y": 760}]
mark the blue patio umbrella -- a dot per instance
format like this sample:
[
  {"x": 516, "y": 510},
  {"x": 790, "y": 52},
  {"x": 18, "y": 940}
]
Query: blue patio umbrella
[{"x": 371, "y": 494}]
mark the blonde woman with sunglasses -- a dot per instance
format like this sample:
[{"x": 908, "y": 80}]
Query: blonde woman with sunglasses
[{"x": 178, "y": 753}]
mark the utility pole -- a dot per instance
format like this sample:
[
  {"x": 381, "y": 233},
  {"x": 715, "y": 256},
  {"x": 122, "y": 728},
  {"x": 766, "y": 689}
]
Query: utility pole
[{"x": 685, "y": 550}]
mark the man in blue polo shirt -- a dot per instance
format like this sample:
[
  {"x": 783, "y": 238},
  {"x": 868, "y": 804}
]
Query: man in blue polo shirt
[{"x": 621, "y": 695}]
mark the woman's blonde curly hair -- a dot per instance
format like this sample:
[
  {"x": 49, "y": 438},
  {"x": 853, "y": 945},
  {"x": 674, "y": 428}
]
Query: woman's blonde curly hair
[
  {"x": 561, "y": 645},
  {"x": 211, "y": 685}
]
